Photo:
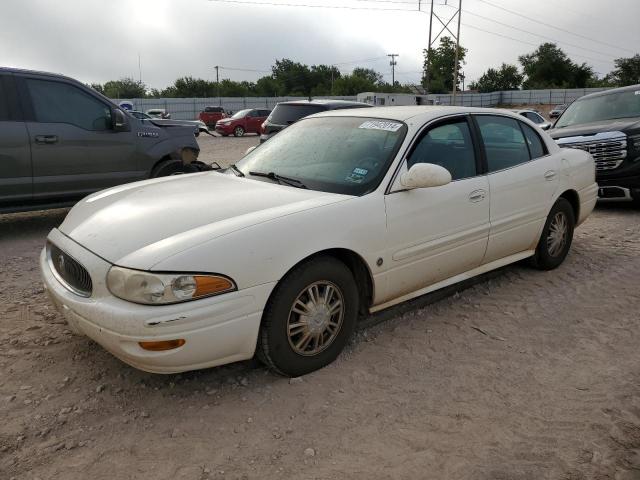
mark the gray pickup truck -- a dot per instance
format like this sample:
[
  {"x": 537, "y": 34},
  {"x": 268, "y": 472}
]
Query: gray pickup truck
[{"x": 61, "y": 140}]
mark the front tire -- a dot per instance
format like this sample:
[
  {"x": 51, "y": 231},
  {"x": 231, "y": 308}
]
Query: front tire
[
  {"x": 309, "y": 318},
  {"x": 556, "y": 237},
  {"x": 238, "y": 132}
]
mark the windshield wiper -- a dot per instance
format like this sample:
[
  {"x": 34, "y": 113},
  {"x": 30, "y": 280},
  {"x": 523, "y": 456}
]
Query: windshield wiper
[
  {"x": 280, "y": 179},
  {"x": 236, "y": 169}
]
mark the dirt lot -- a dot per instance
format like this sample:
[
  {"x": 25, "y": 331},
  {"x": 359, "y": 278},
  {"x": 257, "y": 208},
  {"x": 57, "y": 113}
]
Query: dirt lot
[{"x": 529, "y": 375}]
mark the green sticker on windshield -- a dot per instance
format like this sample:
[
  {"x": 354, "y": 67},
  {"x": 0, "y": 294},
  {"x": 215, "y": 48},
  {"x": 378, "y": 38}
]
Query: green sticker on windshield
[{"x": 381, "y": 125}]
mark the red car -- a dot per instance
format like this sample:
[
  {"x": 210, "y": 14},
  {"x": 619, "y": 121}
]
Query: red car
[
  {"x": 210, "y": 115},
  {"x": 244, "y": 121}
]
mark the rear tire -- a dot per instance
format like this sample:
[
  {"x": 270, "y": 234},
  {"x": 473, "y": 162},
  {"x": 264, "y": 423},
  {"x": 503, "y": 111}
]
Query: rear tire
[
  {"x": 556, "y": 237},
  {"x": 309, "y": 318}
]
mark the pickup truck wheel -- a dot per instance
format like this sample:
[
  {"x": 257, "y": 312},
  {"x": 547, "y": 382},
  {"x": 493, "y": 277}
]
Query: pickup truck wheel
[
  {"x": 166, "y": 168},
  {"x": 309, "y": 318},
  {"x": 557, "y": 234},
  {"x": 238, "y": 131}
]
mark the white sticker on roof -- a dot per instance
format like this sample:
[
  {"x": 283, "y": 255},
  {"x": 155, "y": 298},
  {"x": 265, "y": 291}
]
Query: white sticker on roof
[{"x": 380, "y": 125}]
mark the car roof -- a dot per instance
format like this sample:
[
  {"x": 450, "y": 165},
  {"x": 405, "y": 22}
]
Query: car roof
[
  {"x": 404, "y": 113},
  {"x": 630, "y": 88},
  {"x": 327, "y": 102}
]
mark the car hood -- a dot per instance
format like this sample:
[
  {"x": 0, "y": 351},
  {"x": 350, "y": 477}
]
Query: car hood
[
  {"x": 140, "y": 224},
  {"x": 619, "y": 125}
]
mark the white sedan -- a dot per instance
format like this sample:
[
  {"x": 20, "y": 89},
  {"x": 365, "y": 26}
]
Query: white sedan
[{"x": 342, "y": 214}]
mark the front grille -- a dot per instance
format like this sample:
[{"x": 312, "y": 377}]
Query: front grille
[
  {"x": 69, "y": 271},
  {"x": 608, "y": 153}
]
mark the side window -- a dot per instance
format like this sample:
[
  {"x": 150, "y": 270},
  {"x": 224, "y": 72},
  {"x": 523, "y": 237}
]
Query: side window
[
  {"x": 534, "y": 117},
  {"x": 57, "y": 102},
  {"x": 536, "y": 146},
  {"x": 504, "y": 142},
  {"x": 449, "y": 146}
]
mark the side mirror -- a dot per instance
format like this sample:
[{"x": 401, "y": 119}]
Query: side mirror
[
  {"x": 119, "y": 121},
  {"x": 425, "y": 175},
  {"x": 545, "y": 126}
]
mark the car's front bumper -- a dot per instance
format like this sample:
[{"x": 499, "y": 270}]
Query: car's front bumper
[
  {"x": 216, "y": 330},
  {"x": 224, "y": 129}
]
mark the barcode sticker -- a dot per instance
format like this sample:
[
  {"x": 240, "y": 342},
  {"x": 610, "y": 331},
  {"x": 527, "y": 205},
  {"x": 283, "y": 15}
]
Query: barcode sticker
[{"x": 380, "y": 125}]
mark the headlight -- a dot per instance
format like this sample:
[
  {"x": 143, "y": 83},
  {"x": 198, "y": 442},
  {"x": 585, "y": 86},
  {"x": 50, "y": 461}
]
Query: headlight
[{"x": 164, "y": 288}]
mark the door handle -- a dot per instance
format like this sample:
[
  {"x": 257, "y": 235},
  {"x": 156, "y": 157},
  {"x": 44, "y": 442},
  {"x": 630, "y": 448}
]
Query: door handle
[
  {"x": 550, "y": 175},
  {"x": 46, "y": 139},
  {"x": 477, "y": 195}
]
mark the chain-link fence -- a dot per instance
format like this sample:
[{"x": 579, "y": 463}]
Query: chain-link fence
[{"x": 189, "y": 108}]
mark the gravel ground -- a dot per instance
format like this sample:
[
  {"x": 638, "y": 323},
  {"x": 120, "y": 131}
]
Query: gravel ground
[{"x": 527, "y": 375}]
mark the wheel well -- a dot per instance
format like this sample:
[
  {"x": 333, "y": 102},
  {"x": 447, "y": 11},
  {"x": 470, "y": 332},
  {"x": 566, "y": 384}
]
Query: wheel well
[
  {"x": 572, "y": 197},
  {"x": 358, "y": 267}
]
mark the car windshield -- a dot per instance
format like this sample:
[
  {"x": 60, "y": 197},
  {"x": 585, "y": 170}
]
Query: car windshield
[
  {"x": 286, "y": 114},
  {"x": 600, "y": 108},
  {"x": 346, "y": 155},
  {"x": 241, "y": 113}
]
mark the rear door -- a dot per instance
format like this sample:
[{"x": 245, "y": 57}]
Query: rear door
[
  {"x": 15, "y": 151},
  {"x": 253, "y": 120},
  {"x": 74, "y": 149},
  {"x": 522, "y": 179}
]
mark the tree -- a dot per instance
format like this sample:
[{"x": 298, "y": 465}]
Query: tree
[
  {"x": 549, "y": 67},
  {"x": 294, "y": 77},
  {"x": 440, "y": 64},
  {"x": 627, "y": 71},
  {"x": 506, "y": 78},
  {"x": 97, "y": 87},
  {"x": 124, "y": 88}
]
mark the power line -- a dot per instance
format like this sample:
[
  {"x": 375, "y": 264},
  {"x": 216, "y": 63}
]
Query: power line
[
  {"x": 536, "y": 34},
  {"x": 554, "y": 26},
  {"x": 525, "y": 42},
  {"x": 342, "y": 7}
]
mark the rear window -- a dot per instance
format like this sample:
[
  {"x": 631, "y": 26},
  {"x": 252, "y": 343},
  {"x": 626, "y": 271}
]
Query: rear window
[
  {"x": 213, "y": 109},
  {"x": 286, "y": 114}
]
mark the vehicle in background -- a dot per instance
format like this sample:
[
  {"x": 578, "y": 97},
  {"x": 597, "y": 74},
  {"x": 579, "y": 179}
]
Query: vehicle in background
[
  {"x": 557, "y": 110},
  {"x": 244, "y": 121},
  {"x": 341, "y": 215},
  {"x": 535, "y": 117},
  {"x": 139, "y": 115},
  {"x": 198, "y": 125},
  {"x": 210, "y": 115},
  {"x": 607, "y": 125},
  {"x": 61, "y": 140},
  {"x": 287, "y": 113},
  {"x": 158, "y": 113}
]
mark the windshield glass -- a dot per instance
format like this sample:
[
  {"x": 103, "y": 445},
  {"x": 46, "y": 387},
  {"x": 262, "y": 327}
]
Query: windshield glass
[
  {"x": 347, "y": 155},
  {"x": 604, "y": 107},
  {"x": 241, "y": 113},
  {"x": 286, "y": 114}
]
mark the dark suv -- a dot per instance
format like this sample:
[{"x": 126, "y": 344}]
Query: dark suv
[
  {"x": 607, "y": 125},
  {"x": 286, "y": 113},
  {"x": 61, "y": 140}
]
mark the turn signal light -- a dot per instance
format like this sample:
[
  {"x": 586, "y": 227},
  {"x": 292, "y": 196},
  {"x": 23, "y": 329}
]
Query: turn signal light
[
  {"x": 162, "y": 345},
  {"x": 210, "y": 285}
]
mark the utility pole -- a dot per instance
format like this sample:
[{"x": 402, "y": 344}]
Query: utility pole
[
  {"x": 444, "y": 21},
  {"x": 393, "y": 64},
  {"x": 217, "y": 67},
  {"x": 455, "y": 65}
]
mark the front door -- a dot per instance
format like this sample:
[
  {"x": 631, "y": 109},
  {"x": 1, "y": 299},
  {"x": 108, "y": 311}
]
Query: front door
[
  {"x": 74, "y": 149},
  {"x": 436, "y": 233}
]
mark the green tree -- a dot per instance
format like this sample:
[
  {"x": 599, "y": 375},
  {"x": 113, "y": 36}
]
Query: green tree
[
  {"x": 549, "y": 67},
  {"x": 627, "y": 71},
  {"x": 507, "y": 77},
  {"x": 322, "y": 79},
  {"x": 124, "y": 88},
  {"x": 440, "y": 65},
  {"x": 294, "y": 77},
  {"x": 97, "y": 87}
]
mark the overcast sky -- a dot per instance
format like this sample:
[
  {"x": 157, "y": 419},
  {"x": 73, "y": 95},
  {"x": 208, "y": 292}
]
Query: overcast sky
[{"x": 99, "y": 40}]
